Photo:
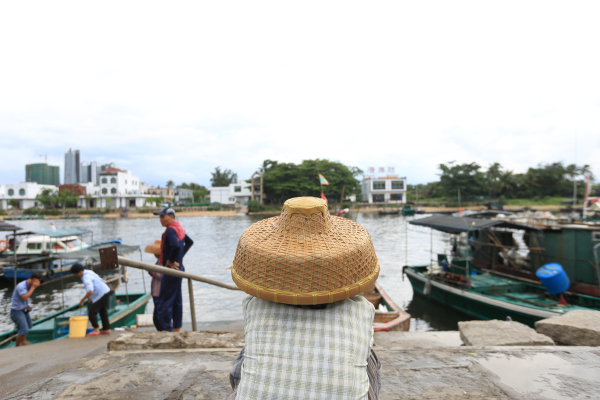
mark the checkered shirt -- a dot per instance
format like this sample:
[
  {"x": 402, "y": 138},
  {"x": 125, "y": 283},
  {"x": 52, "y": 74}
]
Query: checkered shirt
[
  {"x": 373, "y": 366},
  {"x": 302, "y": 353}
]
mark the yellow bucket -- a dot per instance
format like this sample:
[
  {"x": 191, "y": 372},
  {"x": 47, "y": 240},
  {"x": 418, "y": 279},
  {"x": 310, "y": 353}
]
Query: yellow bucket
[{"x": 78, "y": 326}]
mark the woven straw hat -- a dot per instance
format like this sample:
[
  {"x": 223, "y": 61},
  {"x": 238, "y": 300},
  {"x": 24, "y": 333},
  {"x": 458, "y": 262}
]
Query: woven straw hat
[
  {"x": 305, "y": 256},
  {"x": 153, "y": 248}
]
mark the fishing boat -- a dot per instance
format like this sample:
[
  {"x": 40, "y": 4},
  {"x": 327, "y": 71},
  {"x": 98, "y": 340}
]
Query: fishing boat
[
  {"x": 460, "y": 282},
  {"x": 58, "y": 265},
  {"x": 52, "y": 252},
  {"x": 486, "y": 296},
  {"x": 388, "y": 316},
  {"x": 122, "y": 309},
  {"x": 517, "y": 248}
]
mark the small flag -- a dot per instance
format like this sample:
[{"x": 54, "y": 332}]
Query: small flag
[
  {"x": 324, "y": 198},
  {"x": 323, "y": 180}
]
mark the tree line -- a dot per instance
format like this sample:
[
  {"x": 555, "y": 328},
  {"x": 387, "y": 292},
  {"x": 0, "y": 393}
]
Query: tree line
[
  {"x": 496, "y": 182},
  {"x": 284, "y": 180}
]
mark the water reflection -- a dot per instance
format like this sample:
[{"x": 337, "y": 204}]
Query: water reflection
[{"x": 215, "y": 241}]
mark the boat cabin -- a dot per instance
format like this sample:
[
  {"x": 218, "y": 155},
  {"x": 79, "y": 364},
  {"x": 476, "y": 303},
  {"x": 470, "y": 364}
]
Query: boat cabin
[
  {"x": 45, "y": 244},
  {"x": 49, "y": 241}
]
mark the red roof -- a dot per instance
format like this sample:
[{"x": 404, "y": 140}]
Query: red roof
[{"x": 111, "y": 170}]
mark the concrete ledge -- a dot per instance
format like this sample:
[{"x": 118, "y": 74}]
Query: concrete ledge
[
  {"x": 424, "y": 373},
  {"x": 141, "y": 341},
  {"x": 575, "y": 328},
  {"x": 416, "y": 340},
  {"x": 500, "y": 333}
]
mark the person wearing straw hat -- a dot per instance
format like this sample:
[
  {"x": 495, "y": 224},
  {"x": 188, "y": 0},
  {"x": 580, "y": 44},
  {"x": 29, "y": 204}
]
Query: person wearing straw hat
[
  {"x": 154, "y": 248},
  {"x": 308, "y": 333},
  {"x": 174, "y": 244}
]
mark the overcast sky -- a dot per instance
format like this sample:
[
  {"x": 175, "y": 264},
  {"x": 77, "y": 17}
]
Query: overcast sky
[{"x": 171, "y": 90}]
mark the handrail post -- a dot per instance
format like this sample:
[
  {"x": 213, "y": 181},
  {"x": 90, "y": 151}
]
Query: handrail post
[{"x": 192, "y": 306}]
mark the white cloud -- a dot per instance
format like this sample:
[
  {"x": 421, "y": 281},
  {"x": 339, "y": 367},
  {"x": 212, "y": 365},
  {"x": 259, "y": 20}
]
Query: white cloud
[{"x": 172, "y": 91}]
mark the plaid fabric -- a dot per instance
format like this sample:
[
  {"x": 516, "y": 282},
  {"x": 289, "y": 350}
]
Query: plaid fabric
[
  {"x": 373, "y": 366},
  {"x": 302, "y": 353}
]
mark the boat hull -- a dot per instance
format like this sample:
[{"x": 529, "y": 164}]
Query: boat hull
[
  {"x": 395, "y": 320},
  {"x": 473, "y": 304}
]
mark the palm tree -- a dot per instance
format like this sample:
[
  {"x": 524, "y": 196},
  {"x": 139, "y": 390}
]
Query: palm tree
[
  {"x": 493, "y": 176},
  {"x": 170, "y": 184}
]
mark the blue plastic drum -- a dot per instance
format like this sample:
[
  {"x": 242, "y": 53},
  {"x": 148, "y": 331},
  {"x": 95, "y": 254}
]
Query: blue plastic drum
[{"x": 554, "y": 278}]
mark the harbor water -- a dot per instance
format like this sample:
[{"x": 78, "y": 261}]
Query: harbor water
[{"x": 215, "y": 239}]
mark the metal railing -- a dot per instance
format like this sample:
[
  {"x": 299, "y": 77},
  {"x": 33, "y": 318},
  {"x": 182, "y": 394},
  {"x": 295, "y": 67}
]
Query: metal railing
[{"x": 179, "y": 274}]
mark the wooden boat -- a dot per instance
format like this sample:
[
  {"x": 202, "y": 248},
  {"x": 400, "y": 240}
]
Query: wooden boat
[
  {"x": 393, "y": 319},
  {"x": 488, "y": 296},
  {"x": 122, "y": 310},
  {"x": 389, "y": 212}
]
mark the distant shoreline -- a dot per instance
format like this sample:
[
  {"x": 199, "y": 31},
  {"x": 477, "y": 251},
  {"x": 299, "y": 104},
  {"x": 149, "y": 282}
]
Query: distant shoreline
[{"x": 427, "y": 210}]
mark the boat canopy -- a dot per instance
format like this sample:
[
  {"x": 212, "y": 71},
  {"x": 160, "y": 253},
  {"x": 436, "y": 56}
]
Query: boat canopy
[
  {"x": 449, "y": 224},
  {"x": 6, "y": 227},
  {"x": 57, "y": 233},
  {"x": 91, "y": 253}
]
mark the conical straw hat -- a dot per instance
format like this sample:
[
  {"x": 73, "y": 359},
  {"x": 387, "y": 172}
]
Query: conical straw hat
[
  {"x": 153, "y": 248},
  {"x": 305, "y": 256}
]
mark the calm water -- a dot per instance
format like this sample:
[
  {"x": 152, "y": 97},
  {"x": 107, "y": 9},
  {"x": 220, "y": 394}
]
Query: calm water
[{"x": 396, "y": 243}]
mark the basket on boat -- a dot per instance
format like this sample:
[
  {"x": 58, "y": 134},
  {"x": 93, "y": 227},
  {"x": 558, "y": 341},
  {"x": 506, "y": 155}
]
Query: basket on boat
[{"x": 305, "y": 256}]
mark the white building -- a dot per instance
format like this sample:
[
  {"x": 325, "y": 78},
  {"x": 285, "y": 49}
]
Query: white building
[
  {"x": 237, "y": 194},
  {"x": 184, "y": 195},
  {"x": 145, "y": 187},
  {"x": 385, "y": 189},
  {"x": 24, "y": 192},
  {"x": 118, "y": 188},
  {"x": 114, "y": 181}
]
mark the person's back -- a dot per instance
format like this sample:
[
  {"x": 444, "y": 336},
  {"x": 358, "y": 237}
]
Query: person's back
[
  {"x": 16, "y": 302},
  {"x": 93, "y": 282},
  {"x": 294, "y": 352}
]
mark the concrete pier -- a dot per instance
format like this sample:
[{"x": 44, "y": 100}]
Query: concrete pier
[{"x": 427, "y": 365}]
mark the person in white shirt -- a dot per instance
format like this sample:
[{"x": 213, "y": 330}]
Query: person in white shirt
[{"x": 97, "y": 293}]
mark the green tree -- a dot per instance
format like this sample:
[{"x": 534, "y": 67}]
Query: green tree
[
  {"x": 67, "y": 198},
  {"x": 492, "y": 176},
  {"x": 222, "y": 178},
  {"x": 170, "y": 184},
  {"x": 466, "y": 177},
  {"x": 285, "y": 180},
  {"x": 13, "y": 203},
  {"x": 199, "y": 191},
  {"x": 48, "y": 197}
]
